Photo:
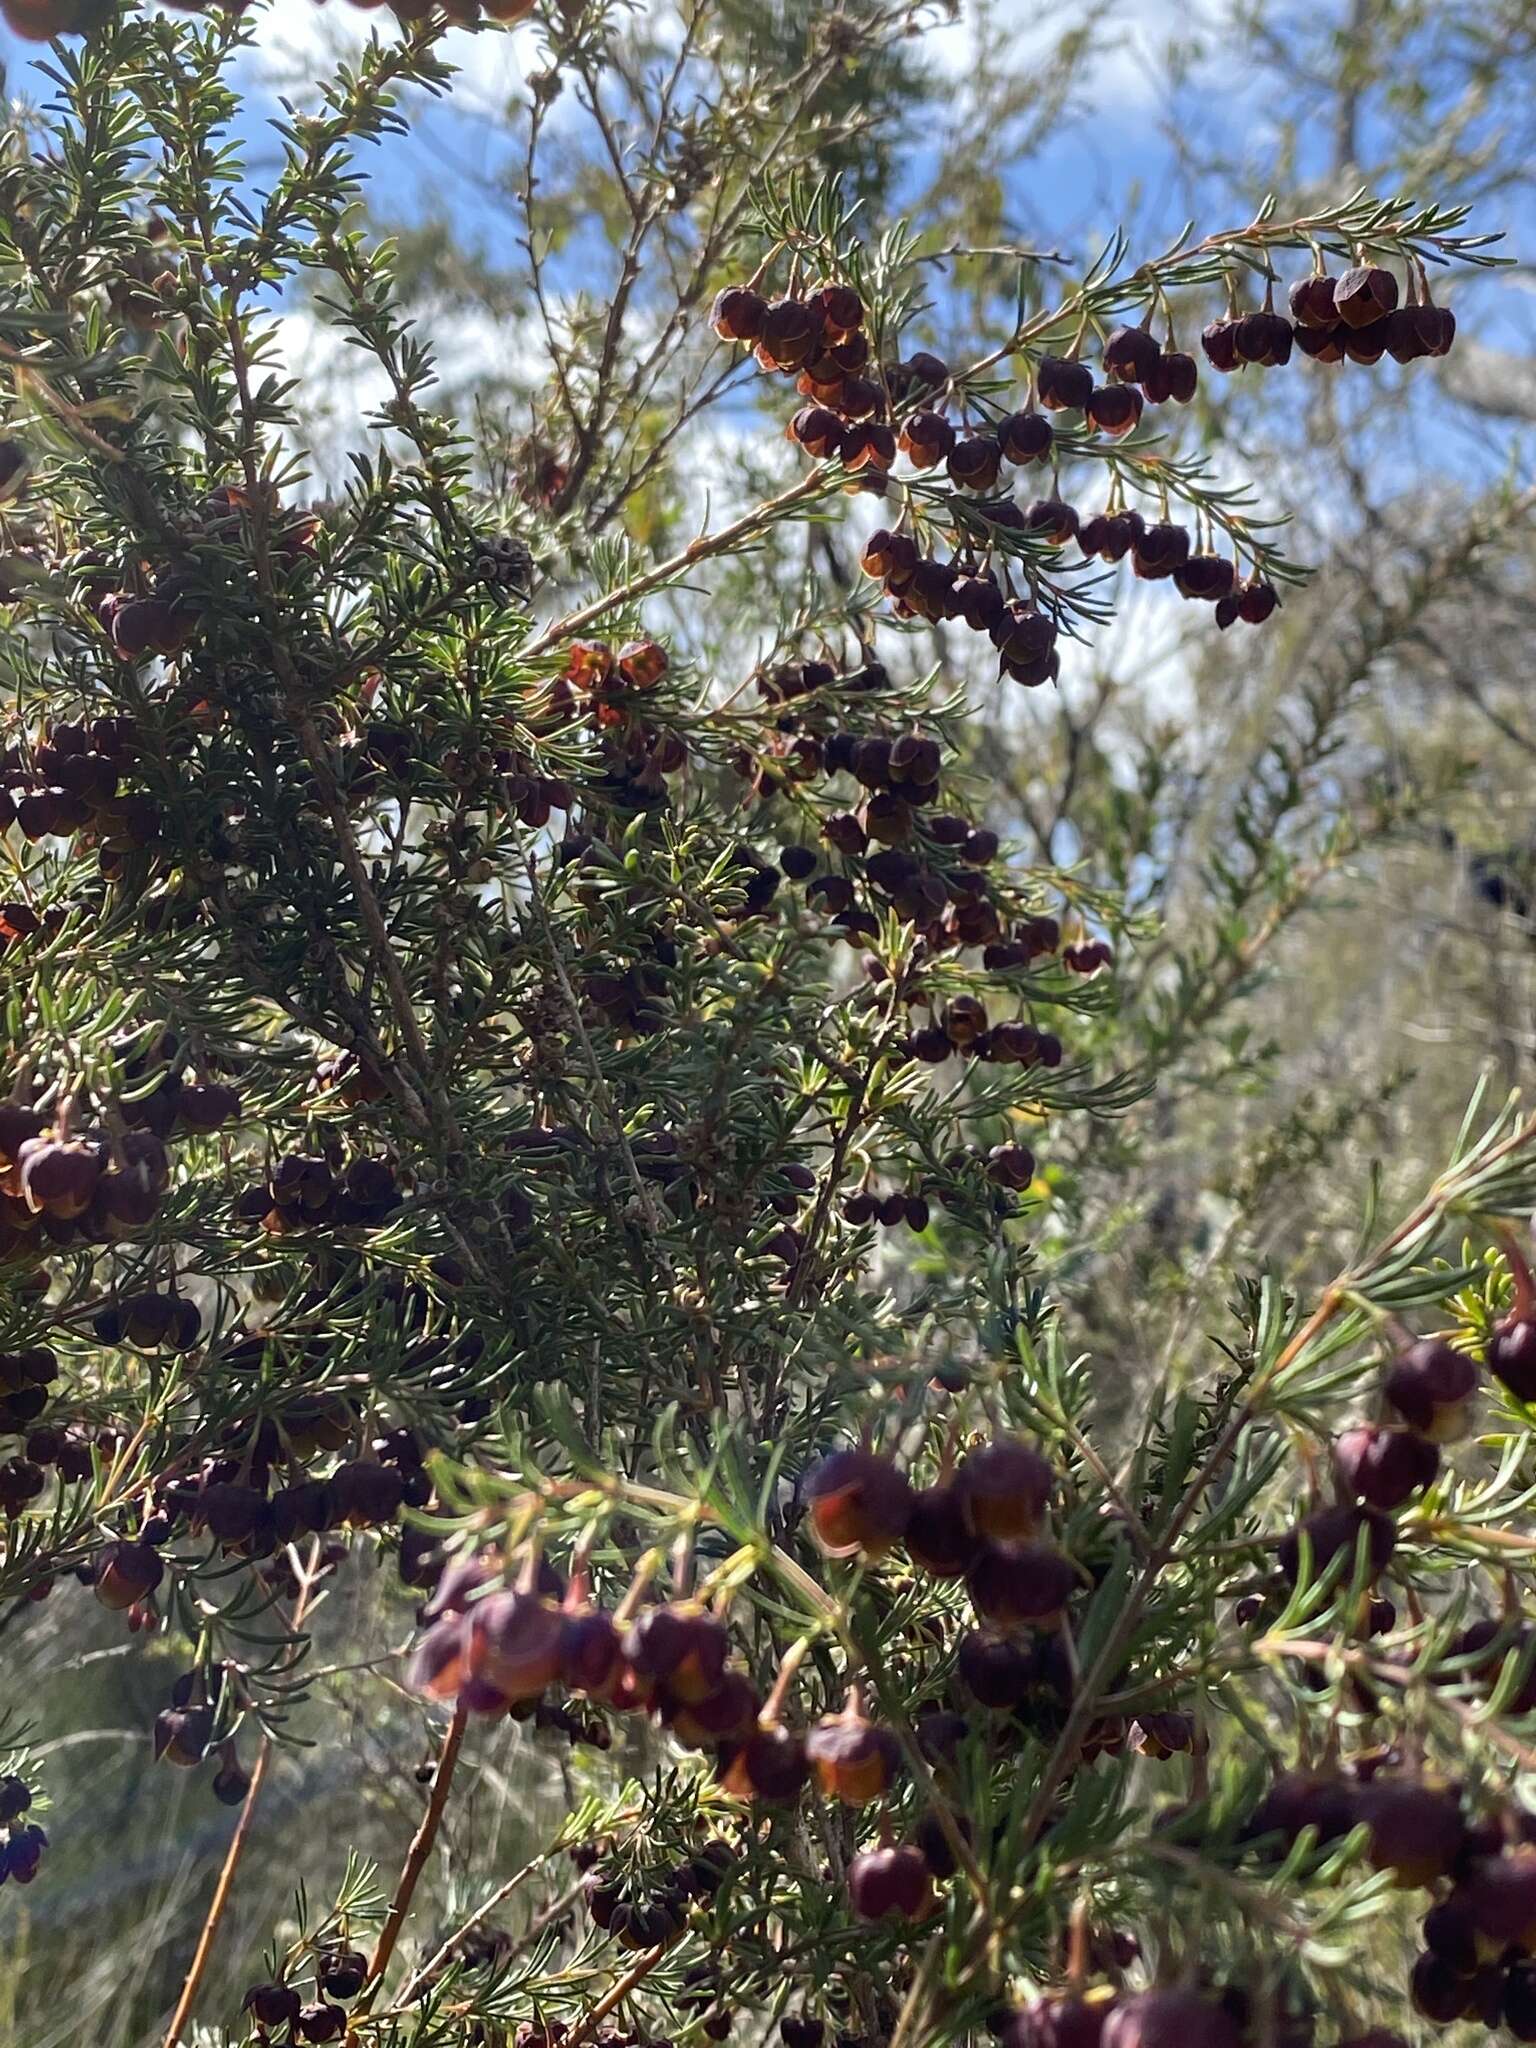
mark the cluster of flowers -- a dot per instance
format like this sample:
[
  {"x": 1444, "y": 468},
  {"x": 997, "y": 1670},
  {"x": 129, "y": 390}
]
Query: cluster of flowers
[
  {"x": 1356, "y": 317},
  {"x": 70, "y": 782},
  {"x": 22, "y": 1842}
]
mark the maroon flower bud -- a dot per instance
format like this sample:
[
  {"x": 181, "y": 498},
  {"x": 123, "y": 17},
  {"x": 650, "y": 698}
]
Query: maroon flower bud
[
  {"x": 858, "y": 1503},
  {"x": 869, "y": 444},
  {"x": 975, "y": 462},
  {"x": 964, "y": 1020},
  {"x": 1161, "y": 1736},
  {"x": 1178, "y": 377},
  {"x": 320, "y": 2023},
  {"x": 1416, "y": 1829},
  {"x": 939, "y": 1540},
  {"x": 514, "y": 1644},
  {"x": 889, "y": 556},
  {"x": 841, "y": 308},
  {"x": 926, "y": 439},
  {"x": 1256, "y": 600},
  {"x": 738, "y": 313},
  {"x": 1059, "y": 2020},
  {"x": 1431, "y": 1385},
  {"x": 1321, "y": 344},
  {"x": 341, "y": 1973},
  {"x": 769, "y": 1764},
  {"x": 1219, "y": 342},
  {"x": 1169, "y": 2019},
  {"x": 726, "y": 1715},
  {"x": 1366, "y": 344},
  {"x": 1063, "y": 385},
  {"x": 1364, "y": 295},
  {"x": 1512, "y": 1353},
  {"x": 1519, "y": 2001},
  {"x": 1130, "y": 353},
  {"x": 1436, "y": 1990},
  {"x": 589, "y": 1651},
  {"x": 125, "y": 1573},
  {"x": 1382, "y": 1466},
  {"x": 272, "y": 2005},
  {"x": 1005, "y": 1485},
  {"x": 1024, "y": 635},
  {"x": 891, "y": 1883},
  {"x": 998, "y": 1672},
  {"x": 818, "y": 431},
  {"x": 1025, "y": 436},
  {"x": 183, "y": 1735},
  {"x": 1311, "y": 302},
  {"x": 1499, "y": 1896},
  {"x": 1305, "y": 1799},
  {"x": 367, "y": 1494},
  {"x": 789, "y": 335},
  {"x": 1449, "y": 1933},
  {"x": 1341, "y": 1532},
  {"x": 680, "y": 1646},
  {"x": 1206, "y": 578},
  {"x": 1016, "y": 1585},
  {"x": 1114, "y": 409},
  {"x": 1159, "y": 549},
  {"x": 854, "y": 1761},
  {"x": 1055, "y": 520}
]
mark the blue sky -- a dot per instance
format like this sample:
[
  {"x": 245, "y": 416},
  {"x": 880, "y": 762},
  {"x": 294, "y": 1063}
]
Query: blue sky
[{"x": 1114, "y": 161}]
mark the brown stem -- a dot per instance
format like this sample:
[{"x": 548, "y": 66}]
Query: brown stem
[
  {"x": 193, "y": 1981},
  {"x": 636, "y": 1974},
  {"x": 416, "y": 1855}
]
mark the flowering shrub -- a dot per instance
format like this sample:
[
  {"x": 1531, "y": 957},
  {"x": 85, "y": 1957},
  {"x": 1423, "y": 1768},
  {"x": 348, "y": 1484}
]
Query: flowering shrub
[{"x": 568, "y": 1130}]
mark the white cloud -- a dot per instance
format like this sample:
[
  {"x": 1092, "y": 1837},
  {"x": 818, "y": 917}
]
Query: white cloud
[{"x": 301, "y": 41}]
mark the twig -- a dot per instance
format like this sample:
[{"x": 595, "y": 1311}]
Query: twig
[
  {"x": 699, "y": 549},
  {"x": 633, "y": 1976},
  {"x": 192, "y": 1982},
  {"x": 416, "y": 1855}
]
